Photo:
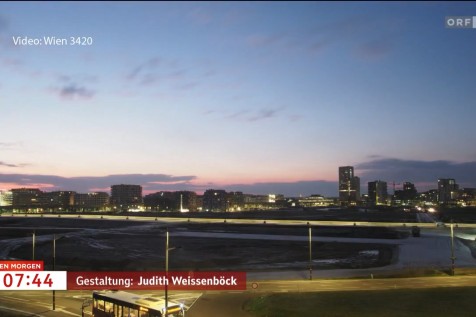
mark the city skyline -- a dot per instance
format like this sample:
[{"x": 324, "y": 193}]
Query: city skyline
[
  {"x": 256, "y": 97},
  {"x": 246, "y": 189}
]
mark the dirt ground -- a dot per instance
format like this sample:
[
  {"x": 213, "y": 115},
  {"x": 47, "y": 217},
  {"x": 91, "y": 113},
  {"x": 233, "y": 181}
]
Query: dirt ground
[{"x": 130, "y": 246}]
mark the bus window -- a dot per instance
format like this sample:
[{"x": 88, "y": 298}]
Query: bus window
[
  {"x": 117, "y": 311},
  {"x": 143, "y": 312},
  {"x": 100, "y": 304},
  {"x": 109, "y": 307}
]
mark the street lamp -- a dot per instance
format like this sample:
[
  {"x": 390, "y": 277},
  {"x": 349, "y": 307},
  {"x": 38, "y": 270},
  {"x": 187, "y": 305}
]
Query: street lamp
[
  {"x": 166, "y": 270},
  {"x": 54, "y": 266},
  {"x": 33, "y": 246},
  {"x": 310, "y": 252},
  {"x": 167, "y": 249},
  {"x": 453, "y": 258}
]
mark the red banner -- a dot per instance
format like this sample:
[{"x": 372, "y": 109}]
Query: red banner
[
  {"x": 21, "y": 266},
  {"x": 156, "y": 280}
]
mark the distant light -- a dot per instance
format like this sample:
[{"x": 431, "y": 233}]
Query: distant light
[{"x": 431, "y": 209}]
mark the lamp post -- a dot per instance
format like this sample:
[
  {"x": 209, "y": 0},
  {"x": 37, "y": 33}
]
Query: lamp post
[
  {"x": 310, "y": 252},
  {"x": 453, "y": 258},
  {"x": 167, "y": 249},
  {"x": 166, "y": 271},
  {"x": 33, "y": 246},
  {"x": 54, "y": 264}
]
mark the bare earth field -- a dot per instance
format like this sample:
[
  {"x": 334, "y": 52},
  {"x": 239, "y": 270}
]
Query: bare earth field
[{"x": 102, "y": 245}]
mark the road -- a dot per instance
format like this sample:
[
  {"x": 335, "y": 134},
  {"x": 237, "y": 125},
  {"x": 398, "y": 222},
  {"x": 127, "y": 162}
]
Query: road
[
  {"x": 69, "y": 303},
  {"x": 214, "y": 304},
  {"x": 422, "y": 224}
]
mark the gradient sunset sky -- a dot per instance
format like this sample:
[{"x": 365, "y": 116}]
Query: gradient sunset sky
[{"x": 263, "y": 97}]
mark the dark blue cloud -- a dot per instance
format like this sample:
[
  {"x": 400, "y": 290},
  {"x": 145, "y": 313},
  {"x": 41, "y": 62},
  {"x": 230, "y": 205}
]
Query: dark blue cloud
[
  {"x": 72, "y": 91},
  {"x": 162, "y": 182},
  {"x": 264, "y": 114},
  {"x": 416, "y": 171},
  {"x": 289, "y": 189},
  {"x": 162, "y": 72},
  {"x": 8, "y": 165},
  {"x": 252, "y": 115},
  {"x": 143, "y": 70},
  {"x": 86, "y": 183}
]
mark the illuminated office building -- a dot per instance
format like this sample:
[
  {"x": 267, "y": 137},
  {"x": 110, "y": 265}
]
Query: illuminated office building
[
  {"x": 349, "y": 186},
  {"x": 125, "y": 197},
  {"x": 96, "y": 201},
  {"x": 215, "y": 200},
  {"x": 447, "y": 190},
  {"x": 6, "y": 198},
  {"x": 57, "y": 200},
  {"x": 26, "y": 198}
]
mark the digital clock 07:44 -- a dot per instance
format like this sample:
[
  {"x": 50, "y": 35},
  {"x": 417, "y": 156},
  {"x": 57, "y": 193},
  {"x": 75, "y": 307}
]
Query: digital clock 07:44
[{"x": 33, "y": 280}]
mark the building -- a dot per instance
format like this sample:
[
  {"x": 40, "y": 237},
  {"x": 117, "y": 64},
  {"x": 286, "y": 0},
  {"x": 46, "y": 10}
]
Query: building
[
  {"x": 6, "y": 198},
  {"x": 263, "y": 202},
  {"x": 467, "y": 197},
  {"x": 236, "y": 201},
  {"x": 429, "y": 197},
  {"x": 377, "y": 193},
  {"x": 408, "y": 195},
  {"x": 215, "y": 200},
  {"x": 409, "y": 191},
  {"x": 171, "y": 201},
  {"x": 57, "y": 201},
  {"x": 160, "y": 201},
  {"x": 97, "y": 201},
  {"x": 314, "y": 201},
  {"x": 187, "y": 201},
  {"x": 126, "y": 197},
  {"x": 349, "y": 186},
  {"x": 447, "y": 190},
  {"x": 27, "y": 199}
]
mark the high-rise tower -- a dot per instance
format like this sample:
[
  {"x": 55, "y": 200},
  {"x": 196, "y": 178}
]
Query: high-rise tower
[{"x": 349, "y": 186}]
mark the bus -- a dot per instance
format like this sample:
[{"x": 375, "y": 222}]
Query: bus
[{"x": 124, "y": 304}]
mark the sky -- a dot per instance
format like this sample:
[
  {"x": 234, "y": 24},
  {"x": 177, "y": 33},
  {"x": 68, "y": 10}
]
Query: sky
[{"x": 262, "y": 97}]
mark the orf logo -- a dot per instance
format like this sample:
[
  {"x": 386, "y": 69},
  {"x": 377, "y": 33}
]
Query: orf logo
[{"x": 463, "y": 22}]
